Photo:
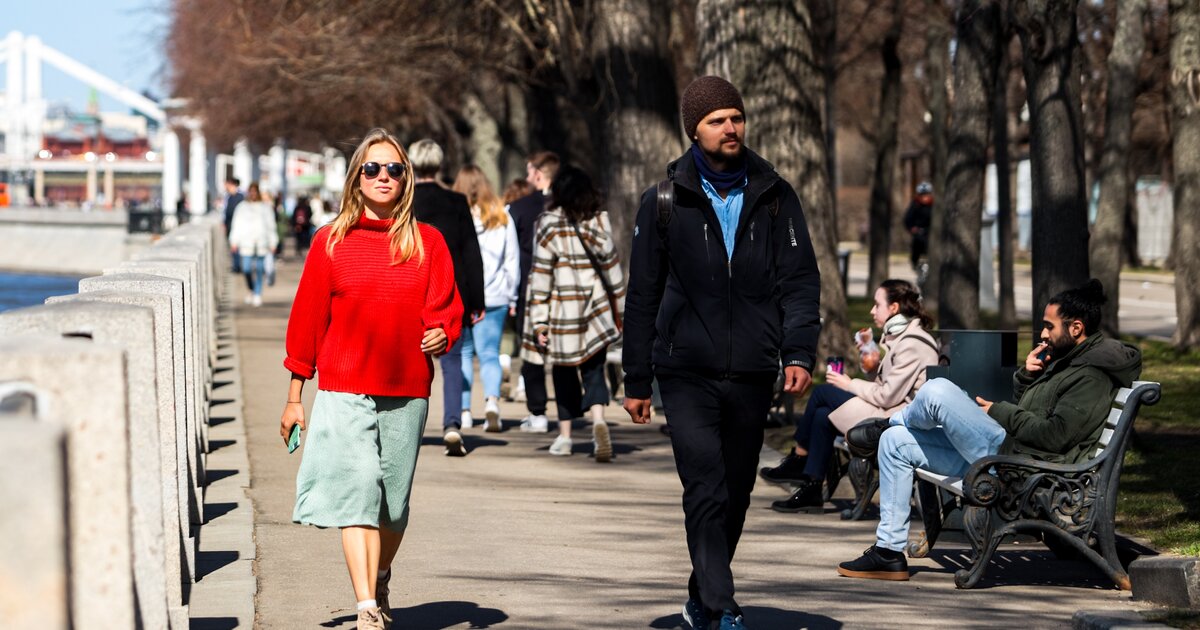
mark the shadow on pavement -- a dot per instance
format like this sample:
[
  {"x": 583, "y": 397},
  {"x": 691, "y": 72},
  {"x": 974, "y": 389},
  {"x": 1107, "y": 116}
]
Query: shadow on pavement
[
  {"x": 761, "y": 617},
  {"x": 436, "y": 616}
]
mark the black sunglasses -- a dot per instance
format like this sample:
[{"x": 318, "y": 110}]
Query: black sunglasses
[{"x": 394, "y": 169}]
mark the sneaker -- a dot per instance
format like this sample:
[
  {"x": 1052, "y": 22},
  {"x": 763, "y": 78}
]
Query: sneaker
[
  {"x": 535, "y": 424},
  {"x": 863, "y": 438},
  {"x": 807, "y": 499},
  {"x": 257, "y": 301},
  {"x": 695, "y": 615},
  {"x": 467, "y": 421},
  {"x": 601, "y": 442},
  {"x": 249, "y": 299},
  {"x": 454, "y": 444},
  {"x": 561, "y": 446},
  {"x": 492, "y": 410},
  {"x": 877, "y": 564},
  {"x": 732, "y": 621},
  {"x": 381, "y": 597},
  {"x": 789, "y": 470},
  {"x": 371, "y": 619}
]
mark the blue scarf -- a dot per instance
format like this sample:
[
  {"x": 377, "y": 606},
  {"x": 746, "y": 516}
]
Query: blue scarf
[{"x": 721, "y": 180}]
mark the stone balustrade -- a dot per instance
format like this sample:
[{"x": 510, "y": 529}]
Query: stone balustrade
[{"x": 104, "y": 410}]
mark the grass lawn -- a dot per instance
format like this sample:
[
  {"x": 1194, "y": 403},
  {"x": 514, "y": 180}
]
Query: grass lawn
[{"x": 1159, "y": 497}]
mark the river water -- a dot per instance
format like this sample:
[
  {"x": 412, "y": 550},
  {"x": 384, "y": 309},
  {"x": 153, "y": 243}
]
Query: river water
[{"x": 18, "y": 289}]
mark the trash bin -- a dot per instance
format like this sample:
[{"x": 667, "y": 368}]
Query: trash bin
[
  {"x": 844, "y": 269},
  {"x": 148, "y": 220},
  {"x": 982, "y": 362}
]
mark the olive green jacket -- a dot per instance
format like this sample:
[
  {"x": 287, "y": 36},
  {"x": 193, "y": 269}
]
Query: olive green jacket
[{"x": 1061, "y": 411}]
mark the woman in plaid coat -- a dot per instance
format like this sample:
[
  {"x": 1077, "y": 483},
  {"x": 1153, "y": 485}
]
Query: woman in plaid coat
[{"x": 576, "y": 295}]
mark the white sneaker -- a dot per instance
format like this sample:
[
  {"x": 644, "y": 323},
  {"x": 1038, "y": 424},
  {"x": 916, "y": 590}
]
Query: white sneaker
[
  {"x": 453, "y": 442},
  {"x": 535, "y": 424},
  {"x": 601, "y": 442},
  {"x": 561, "y": 446},
  {"x": 467, "y": 421},
  {"x": 493, "y": 415},
  {"x": 249, "y": 298},
  {"x": 518, "y": 393},
  {"x": 257, "y": 301}
]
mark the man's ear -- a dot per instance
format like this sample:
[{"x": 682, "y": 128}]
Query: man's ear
[{"x": 1076, "y": 328}]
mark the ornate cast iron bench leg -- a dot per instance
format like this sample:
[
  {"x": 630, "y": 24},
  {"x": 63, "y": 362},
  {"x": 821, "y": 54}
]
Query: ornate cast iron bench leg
[
  {"x": 865, "y": 479},
  {"x": 985, "y": 537}
]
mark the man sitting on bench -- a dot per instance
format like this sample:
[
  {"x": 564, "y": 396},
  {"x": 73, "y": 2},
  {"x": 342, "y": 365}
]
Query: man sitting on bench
[{"x": 1064, "y": 392}]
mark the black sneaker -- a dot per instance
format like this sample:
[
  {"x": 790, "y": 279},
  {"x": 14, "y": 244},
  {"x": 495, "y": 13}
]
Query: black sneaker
[
  {"x": 807, "y": 499},
  {"x": 877, "y": 564},
  {"x": 863, "y": 438},
  {"x": 789, "y": 470}
]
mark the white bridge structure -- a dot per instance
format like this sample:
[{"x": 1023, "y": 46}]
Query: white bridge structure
[{"x": 25, "y": 162}]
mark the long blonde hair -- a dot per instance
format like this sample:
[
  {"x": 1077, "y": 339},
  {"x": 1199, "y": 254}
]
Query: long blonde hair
[
  {"x": 405, "y": 235},
  {"x": 471, "y": 182}
]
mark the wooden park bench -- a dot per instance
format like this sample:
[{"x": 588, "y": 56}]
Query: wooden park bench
[{"x": 1072, "y": 506}]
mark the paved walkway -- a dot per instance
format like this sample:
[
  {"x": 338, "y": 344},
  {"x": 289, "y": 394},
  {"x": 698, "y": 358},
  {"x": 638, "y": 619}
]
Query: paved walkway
[{"x": 510, "y": 537}]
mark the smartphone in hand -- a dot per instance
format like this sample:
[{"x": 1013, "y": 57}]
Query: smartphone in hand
[{"x": 294, "y": 438}]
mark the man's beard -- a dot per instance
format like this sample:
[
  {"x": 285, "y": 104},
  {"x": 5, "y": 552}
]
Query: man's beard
[
  {"x": 1060, "y": 346},
  {"x": 721, "y": 157}
]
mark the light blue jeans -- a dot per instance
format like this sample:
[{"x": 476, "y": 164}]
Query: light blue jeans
[
  {"x": 483, "y": 339},
  {"x": 942, "y": 431},
  {"x": 255, "y": 268}
]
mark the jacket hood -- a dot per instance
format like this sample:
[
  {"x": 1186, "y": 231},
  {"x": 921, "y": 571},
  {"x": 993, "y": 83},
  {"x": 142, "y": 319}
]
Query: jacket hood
[{"x": 1121, "y": 361}]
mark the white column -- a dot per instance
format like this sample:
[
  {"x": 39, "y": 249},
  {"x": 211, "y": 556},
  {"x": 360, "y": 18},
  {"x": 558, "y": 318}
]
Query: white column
[
  {"x": 197, "y": 173},
  {"x": 35, "y": 107},
  {"x": 243, "y": 163},
  {"x": 14, "y": 97},
  {"x": 277, "y": 171},
  {"x": 170, "y": 175}
]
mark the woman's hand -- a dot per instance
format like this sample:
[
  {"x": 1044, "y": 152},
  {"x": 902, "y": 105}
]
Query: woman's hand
[
  {"x": 435, "y": 342},
  {"x": 840, "y": 381},
  {"x": 543, "y": 338},
  {"x": 293, "y": 414}
]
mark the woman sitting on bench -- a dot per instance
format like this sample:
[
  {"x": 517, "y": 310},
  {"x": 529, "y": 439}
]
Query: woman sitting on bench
[{"x": 843, "y": 402}]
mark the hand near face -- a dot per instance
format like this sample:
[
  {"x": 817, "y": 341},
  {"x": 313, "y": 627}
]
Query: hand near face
[{"x": 1033, "y": 361}]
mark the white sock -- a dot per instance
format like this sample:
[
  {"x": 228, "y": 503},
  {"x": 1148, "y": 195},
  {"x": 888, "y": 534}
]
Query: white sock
[
  {"x": 367, "y": 603},
  {"x": 383, "y": 575}
]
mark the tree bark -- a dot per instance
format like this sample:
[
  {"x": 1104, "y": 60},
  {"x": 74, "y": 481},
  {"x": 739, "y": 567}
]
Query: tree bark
[
  {"x": 1185, "y": 145},
  {"x": 766, "y": 49},
  {"x": 638, "y": 126},
  {"x": 1108, "y": 231},
  {"x": 1059, "y": 239},
  {"x": 974, "y": 79},
  {"x": 1004, "y": 214},
  {"x": 886, "y": 131},
  {"x": 937, "y": 55}
]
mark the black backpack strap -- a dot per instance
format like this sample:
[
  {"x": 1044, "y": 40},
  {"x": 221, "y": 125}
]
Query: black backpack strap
[{"x": 666, "y": 204}]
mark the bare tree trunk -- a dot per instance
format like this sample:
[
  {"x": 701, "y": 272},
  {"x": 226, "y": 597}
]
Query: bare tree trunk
[
  {"x": 886, "y": 131},
  {"x": 825, "y": 16},
  {"x": 937, "y": 55},
  {"x": 639, "y": 123},
  {"x": 1185, "y": 142},
  {"x": 958, "y": 288},
  {"x": 1004, "y": 216},
  {"x": 1123, "y": 62},
  {"x": 766, "y": 49},
  {"x": 1059, "y": 239}
]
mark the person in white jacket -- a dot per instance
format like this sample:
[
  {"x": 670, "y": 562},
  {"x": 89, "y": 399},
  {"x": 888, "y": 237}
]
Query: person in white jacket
[
  {"x": 253, "y": 236},
  {"x": 498, "y": 246}
]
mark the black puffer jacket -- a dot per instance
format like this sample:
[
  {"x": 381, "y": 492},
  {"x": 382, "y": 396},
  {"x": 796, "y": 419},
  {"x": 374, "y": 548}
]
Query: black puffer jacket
[{"x": 690, "y": 308}]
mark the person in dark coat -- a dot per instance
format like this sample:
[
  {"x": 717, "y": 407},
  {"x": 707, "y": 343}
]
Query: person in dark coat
[
  {"x": 917, "y": 220},
  {"x": 540, "y": 171},
  {"x": 723, "y": 291},
  {"x": 450, "y": 213}
]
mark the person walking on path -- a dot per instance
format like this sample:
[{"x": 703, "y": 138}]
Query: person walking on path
[
  {"x": 375, "y": 302},
  {"x": 302, "y": 226},
  {"x": 498, "y": 247},
  {"x": 450, "y": 213},
  {"x": 576, "y": 295},
  {"x": 540, "y": 170},
  {"x": 1063, "y": 392},
  {"x": 252, "y": 238},
  {"x": 843, "y": 402},
  {"x": 724, "y": 287}
]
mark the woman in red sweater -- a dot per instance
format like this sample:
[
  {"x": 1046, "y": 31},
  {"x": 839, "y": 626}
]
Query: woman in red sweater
[{"x": 376, "y": 302}]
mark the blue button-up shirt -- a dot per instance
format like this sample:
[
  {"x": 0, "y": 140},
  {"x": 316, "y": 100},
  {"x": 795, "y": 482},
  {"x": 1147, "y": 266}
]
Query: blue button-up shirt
[{"x": 729, "y": 210}]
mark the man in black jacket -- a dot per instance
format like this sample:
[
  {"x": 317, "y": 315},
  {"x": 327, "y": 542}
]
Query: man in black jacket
[
  {"x": 449, "y": 212},
  {"x": 540, "y": 170},
  {"x": 723, "y": 289}
]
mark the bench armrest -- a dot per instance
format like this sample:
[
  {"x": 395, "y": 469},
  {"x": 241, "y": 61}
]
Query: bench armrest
[{"x": 997, "y": 476}]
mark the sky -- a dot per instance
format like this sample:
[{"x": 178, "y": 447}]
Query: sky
[{"x": 121, "y": 39}]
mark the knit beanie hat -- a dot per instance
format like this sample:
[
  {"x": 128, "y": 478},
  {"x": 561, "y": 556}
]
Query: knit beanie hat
[{"x": 705, "y": 95}]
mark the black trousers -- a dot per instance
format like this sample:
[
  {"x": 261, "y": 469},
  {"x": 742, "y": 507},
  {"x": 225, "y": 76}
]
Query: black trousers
[
  {"x": 578, "y": 387},
  {"x": 716, "y": 434}
]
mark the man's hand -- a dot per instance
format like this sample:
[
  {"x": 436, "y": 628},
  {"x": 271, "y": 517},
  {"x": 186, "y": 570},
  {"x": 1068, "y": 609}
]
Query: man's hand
[
  {"x": 796, "y": 379},
  {"x": 512, "y": 311},
  {"x": 434, "y": 342},
  {"x": 986, "y": 405},
  {"x": 1033, "y": 361},
  {"x": 638, "y": 408},
  {"x": 477, "y": 317}
]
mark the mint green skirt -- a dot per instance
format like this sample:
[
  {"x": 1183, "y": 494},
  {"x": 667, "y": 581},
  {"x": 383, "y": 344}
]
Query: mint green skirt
[{"x": 359, "y": 456}]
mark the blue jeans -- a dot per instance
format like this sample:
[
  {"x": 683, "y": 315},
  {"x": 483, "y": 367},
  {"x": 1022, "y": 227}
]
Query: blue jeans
[
  {"x": 452, "y": 387},
  {"x": 942, "y": 431},
  {"x": 483, "y": 339},
  {"x": 255, "y": 269},
  {"x": 814, "y": 432}
]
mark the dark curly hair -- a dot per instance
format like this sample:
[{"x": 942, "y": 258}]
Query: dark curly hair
[
  {"x": 572, "y": 189},
  {"x": 1082, "y": 304}
]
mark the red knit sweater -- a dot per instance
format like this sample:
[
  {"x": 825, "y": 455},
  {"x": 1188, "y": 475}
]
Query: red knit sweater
[{"x": 358, "y": 320}]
